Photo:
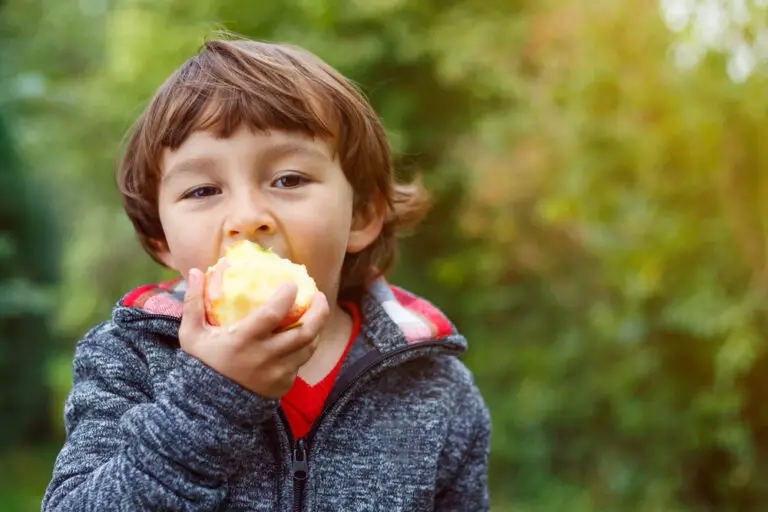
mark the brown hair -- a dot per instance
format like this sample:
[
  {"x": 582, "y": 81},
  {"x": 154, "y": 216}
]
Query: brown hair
[{"x": 269, "y": 86}]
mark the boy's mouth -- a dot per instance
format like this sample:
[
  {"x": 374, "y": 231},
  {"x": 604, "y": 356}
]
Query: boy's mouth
[{"x": 266, "y": 247}]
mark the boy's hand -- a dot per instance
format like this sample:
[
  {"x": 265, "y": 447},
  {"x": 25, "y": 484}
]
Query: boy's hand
[{"x": 250, "y": 352}]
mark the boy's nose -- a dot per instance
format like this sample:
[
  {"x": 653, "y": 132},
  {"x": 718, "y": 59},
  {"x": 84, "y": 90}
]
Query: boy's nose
[{"x": 250, "y": 221}]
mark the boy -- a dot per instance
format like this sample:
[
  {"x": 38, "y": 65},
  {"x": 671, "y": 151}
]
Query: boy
[{"x": 362, "y": 407}]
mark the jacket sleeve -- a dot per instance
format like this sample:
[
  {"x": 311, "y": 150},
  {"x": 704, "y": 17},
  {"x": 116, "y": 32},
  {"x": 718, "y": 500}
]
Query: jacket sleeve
[
  {"x": 462, "y": 480},
  {"x": 125, "y": 451}
]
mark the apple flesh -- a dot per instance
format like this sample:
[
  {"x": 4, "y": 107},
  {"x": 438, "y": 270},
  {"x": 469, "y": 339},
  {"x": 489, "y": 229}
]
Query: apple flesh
[{"x": 246, "y": 277}]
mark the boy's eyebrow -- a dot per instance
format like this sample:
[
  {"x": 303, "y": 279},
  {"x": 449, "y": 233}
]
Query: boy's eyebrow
[
  {"x": 288, "y": 148},
  {"x": 197, "y": 163}
]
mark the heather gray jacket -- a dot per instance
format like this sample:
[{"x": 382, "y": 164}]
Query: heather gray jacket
[{"x": 151, "y": 428}]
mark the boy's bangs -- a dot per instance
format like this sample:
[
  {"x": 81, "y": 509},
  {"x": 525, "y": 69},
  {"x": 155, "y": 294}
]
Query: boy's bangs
[
  {"x": 223, "y": 113},
  {"x": 213, "y": 104}
]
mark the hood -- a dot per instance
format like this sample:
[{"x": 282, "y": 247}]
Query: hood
[{"x": 393, "y": 318}]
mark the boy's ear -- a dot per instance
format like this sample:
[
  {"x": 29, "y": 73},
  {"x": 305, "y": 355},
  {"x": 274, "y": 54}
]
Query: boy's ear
[
  {"x": 160, "y": 248},
  {"x": 367, "y": 223}
]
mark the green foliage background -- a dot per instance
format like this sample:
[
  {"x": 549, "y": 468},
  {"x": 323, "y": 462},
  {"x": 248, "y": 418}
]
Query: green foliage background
[{"x": 600, "y": 234}]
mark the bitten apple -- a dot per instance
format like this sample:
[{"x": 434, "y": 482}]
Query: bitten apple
[{"x": 246, "y": 277}]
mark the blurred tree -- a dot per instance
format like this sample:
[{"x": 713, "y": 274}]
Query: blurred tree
[
  {"x": 28, "y": 267},
  {"x": 621, "y": 288}
]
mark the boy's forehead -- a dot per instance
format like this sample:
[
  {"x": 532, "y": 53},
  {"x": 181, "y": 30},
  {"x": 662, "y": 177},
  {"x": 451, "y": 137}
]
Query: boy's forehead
[{"x": 202, "y": 148}]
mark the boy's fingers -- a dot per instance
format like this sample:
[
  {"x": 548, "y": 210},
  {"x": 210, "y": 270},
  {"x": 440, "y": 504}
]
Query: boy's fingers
[
  {"x": 265, "y": 319},
  {"x": 193, "y": 309},
  {"x": 315, "y": 317},
  {"x": 306, "y": 334}
]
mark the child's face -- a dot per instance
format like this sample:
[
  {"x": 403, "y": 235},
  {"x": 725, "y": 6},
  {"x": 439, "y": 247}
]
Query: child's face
[{"x": 282, "y": 190}]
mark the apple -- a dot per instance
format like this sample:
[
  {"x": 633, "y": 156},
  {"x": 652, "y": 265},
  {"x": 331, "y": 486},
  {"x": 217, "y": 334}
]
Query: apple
[{"x": 246, "y": 277}]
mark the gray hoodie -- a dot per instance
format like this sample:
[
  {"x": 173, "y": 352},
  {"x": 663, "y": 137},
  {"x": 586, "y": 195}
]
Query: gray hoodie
[{"x": 150, "y": 427}]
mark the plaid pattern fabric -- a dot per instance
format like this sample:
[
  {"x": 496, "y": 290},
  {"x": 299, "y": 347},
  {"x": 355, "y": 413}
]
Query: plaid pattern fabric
[
  {"x": 159, "y": 299},
  {"x": 417, "y": 318}
]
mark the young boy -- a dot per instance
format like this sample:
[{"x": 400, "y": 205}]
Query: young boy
[{"x": 365, "y": 406}]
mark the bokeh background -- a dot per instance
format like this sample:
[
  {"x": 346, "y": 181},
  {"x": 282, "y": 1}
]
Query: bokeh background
[{"x": 600, "y": 232}]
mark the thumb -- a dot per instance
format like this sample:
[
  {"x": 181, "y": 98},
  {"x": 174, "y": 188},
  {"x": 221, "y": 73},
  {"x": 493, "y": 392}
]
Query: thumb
[{"x": 193, "y": 310}]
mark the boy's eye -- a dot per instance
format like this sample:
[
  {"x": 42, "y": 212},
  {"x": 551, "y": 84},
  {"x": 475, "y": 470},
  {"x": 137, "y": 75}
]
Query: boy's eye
[
  {"x": 200, "y": 192},
  {"x": 289, "y": 181}
]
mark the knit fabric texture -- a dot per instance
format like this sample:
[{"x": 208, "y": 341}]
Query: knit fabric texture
[{"x": 150, "y": 427}]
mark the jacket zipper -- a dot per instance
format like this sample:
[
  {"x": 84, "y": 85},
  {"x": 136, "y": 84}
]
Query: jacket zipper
[
  {"x": 300, "y": 473},
  {"x": 300, "y": 447}
]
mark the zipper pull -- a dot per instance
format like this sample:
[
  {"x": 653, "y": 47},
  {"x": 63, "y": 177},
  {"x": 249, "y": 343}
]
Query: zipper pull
[{"x": 300, "y": 467}]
